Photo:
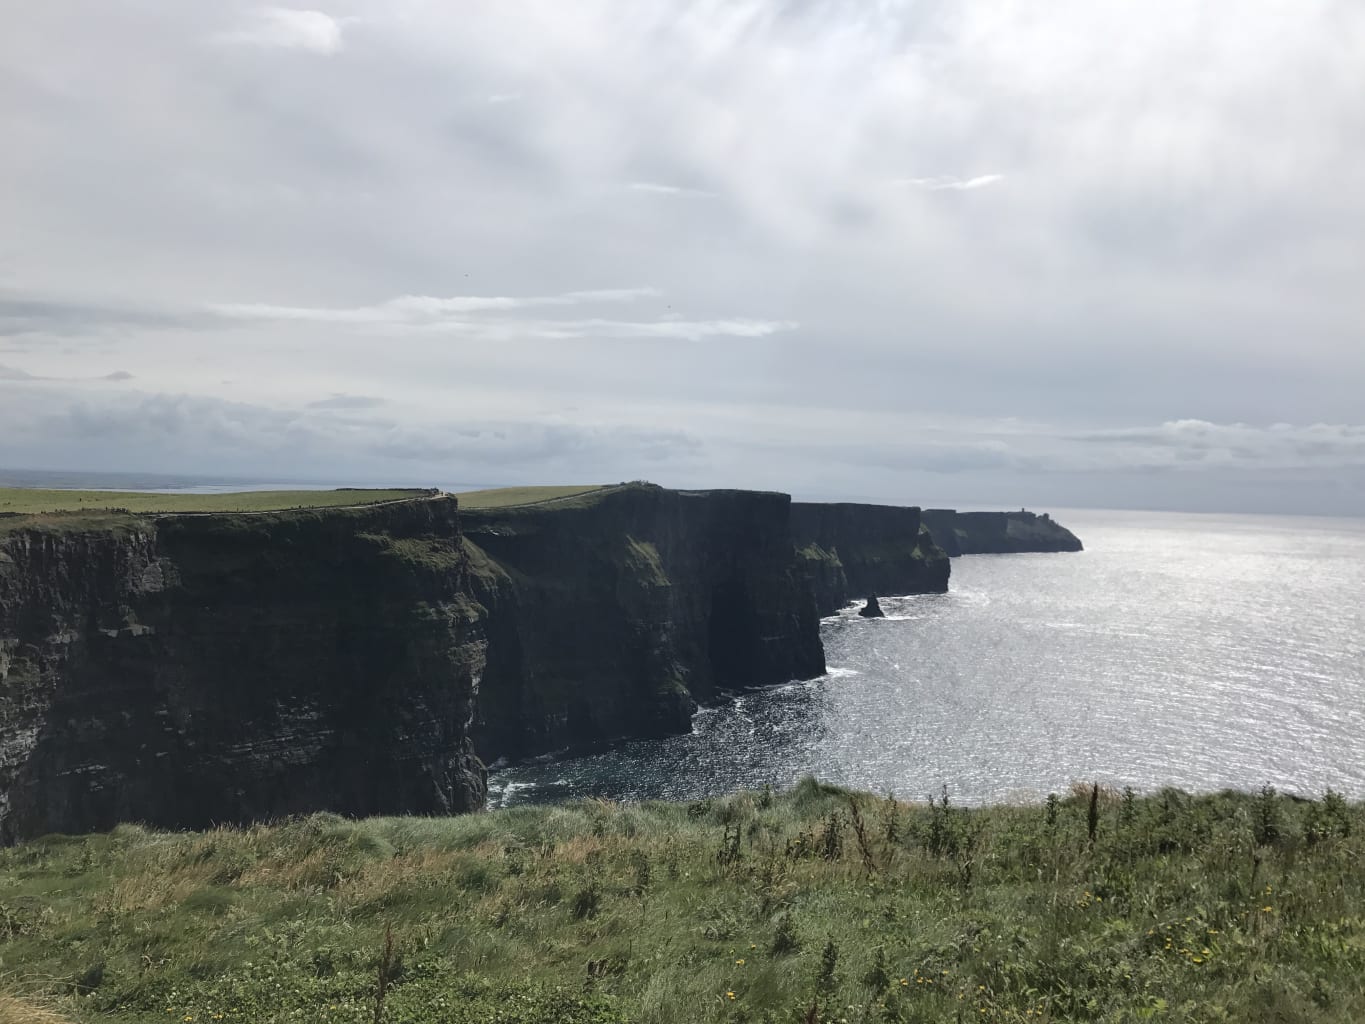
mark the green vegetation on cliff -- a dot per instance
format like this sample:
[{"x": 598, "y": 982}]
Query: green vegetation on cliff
[
  {"x": 27, "y": 501},
  {"x": 750, "y": 908},
  {"x": 509, "y": 497}
]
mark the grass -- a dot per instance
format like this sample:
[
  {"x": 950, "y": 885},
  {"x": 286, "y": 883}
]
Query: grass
[
  {"x": 812, "y": 905},
  {"x": 506, "y": 497},
  {"x": 29, "y": 501}
]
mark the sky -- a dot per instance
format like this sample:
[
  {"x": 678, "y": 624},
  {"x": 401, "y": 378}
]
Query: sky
[{"x": 1082, "y": 253}]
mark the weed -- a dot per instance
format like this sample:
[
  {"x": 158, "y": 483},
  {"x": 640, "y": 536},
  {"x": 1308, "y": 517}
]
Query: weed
[
  {"x": 1265, "y": 817},
  {"x": 827, "y": 980},
  {"x": 785, "y": 938}
]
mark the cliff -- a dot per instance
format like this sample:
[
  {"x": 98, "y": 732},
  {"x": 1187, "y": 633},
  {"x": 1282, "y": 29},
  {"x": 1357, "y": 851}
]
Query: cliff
[
  {"x": 851, "y": 551},
  {"x": 615, "y": 613},
  {"x": 976, "y": 533},
  {"x": 189, "y": 670}
]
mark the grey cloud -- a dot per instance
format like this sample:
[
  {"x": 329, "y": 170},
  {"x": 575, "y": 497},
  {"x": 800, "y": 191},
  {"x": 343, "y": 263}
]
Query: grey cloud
[
  {"x": 70, "y": 317},
  {"x": 1103, "y": 260},
  {"x": 348, "y": 402},
  {"x": 1194, "y": 443}
]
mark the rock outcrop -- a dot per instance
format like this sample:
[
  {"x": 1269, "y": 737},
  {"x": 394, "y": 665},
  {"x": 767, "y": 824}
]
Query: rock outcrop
[
  {"x": 978, "y": 533},
  {"x": 189, "y": 670},
  {"x": 616, "y": 613},
  {"x": 873, "y": 609},
  {"x": 850, "y": 551}
]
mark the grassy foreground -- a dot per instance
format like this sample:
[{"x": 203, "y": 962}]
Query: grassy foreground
[
  {"x": 755, "y": 907},
  {"x": 30, "y": 501}
]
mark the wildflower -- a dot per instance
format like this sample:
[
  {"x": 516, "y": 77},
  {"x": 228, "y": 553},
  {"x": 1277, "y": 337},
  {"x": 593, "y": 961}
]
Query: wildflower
[
  {"x": 1205, "y": 951},
  {"x": 740, "y": 962},
  {"x": 753, "y": 945},
  {"x": 905, "y": 981},
  {"x": 729, "y": 995},
  {"x": 1267, "y": 910},
  {"x": 1197, "y": 960}
]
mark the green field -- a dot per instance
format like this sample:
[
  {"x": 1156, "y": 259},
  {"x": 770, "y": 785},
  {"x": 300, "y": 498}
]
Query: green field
[
  {"x": 507, "y": 497},
  {"x": 813, "y": 905},
  {"x": 33, "y": 500}
]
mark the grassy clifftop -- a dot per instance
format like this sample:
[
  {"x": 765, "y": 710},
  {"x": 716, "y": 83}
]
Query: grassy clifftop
[
  {"x": 30, "y": 501},
  {"x": 750, "y": 908}
]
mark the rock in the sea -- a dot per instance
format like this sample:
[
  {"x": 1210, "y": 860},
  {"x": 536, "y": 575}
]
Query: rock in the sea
[{"x": 872, "y": 610}]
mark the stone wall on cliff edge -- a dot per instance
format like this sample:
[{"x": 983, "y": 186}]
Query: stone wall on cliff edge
[
  {"x": 183, "y": 671},
  {"x": 615, "y": 614}
]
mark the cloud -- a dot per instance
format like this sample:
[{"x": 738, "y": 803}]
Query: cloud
[
  {"x": 389, "y": 221},
  {"x": 118, "y": 375},
  {"x": 13, "y": 373},
  {"x": 416, "y": 309},
  {"x": 655, "y": 188},
  {"x": 290, "y": 29},
  {"x": 70, "y": 316},
  {"x": 465, "y": 315},
  {"x": 1194, "y": 444},
  {"x": 348, "y": 402},
  {"x": 942, "y": 184}
]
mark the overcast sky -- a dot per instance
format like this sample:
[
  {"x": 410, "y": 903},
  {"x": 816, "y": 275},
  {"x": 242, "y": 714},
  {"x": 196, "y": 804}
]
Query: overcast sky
[{"x": 991, "y": 253}]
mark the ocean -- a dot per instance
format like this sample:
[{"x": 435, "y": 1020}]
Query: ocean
[{"x": 1197, "y": 651}]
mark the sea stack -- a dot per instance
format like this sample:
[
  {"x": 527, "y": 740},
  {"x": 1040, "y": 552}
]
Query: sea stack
[{"x": 872, "y": 610}]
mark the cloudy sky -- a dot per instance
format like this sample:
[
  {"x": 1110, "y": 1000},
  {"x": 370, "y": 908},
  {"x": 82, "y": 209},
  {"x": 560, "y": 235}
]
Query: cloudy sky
[{"x": 1075, "y": 253}]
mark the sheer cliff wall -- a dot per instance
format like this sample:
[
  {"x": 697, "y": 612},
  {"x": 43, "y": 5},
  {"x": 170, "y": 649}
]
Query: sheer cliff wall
[
  {"x": 189, "y": 670},
  {"x": 851, "y": 551},
  {"x": 616, "y": 614}
]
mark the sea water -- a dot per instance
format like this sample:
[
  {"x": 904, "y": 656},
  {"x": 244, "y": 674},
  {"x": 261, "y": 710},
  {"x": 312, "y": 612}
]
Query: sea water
[{"x": 1195, "y": 651}]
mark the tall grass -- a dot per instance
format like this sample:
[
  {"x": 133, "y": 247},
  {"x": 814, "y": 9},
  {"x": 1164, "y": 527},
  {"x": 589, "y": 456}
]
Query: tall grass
[{"x": 809, "y": 905}]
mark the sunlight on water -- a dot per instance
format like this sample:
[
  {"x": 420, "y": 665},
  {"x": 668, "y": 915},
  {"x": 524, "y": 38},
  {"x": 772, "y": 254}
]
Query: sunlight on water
[{"x": 1195, "y": 651}]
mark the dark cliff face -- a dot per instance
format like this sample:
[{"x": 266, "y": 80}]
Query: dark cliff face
[
  {"x": 193, "y": 670},
  {"x": 985, "y": 533},
  {"x": 852, "y": 551},
  {"x": 614, "y": 615}
]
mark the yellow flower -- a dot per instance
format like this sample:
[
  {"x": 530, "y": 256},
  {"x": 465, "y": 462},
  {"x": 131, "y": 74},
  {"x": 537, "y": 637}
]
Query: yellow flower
[
  {"x": 905, "y": 981},
  {"x": 740, "y": 961},
  {"x": 1198, "y": 960},
  {"x": 729, "y": 995},
  {"x": 1266, "y": 910}
]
